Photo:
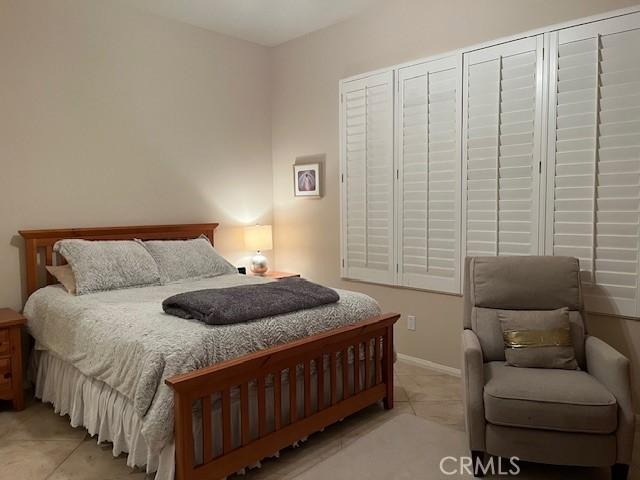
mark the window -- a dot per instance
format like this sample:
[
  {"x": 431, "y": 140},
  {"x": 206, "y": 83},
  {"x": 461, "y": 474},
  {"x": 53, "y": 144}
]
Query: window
[{"x": 525, "y": 147}]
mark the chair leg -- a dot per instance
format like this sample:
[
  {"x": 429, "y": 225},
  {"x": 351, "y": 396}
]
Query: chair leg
[
  {"x": 619, "y": 471},
  {"x": 477, "y": 457}
]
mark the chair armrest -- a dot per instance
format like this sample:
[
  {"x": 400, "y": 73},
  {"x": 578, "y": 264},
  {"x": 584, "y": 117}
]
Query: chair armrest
[
  {"x": 612, "y": 369},
  {"x": 473, "y": 385}
]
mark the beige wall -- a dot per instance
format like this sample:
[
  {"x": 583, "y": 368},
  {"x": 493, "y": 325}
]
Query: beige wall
[
  {"x": 305, "y": 74},
  {"x": 114, "y": 117}
]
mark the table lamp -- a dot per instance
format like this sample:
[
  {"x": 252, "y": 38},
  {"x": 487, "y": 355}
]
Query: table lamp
[{"x": 258, "y": 238}]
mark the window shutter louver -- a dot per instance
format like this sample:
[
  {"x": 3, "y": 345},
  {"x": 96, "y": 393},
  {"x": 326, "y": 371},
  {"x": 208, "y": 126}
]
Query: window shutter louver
[
  {"x": 501, "y": 149},
  {"x": 594, "y": 158},
  {"x": 367, "y": 186},
  {"x": 428, "y": 112}
]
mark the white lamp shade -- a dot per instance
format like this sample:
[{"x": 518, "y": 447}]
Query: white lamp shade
[{"x": 258, "y": 237}]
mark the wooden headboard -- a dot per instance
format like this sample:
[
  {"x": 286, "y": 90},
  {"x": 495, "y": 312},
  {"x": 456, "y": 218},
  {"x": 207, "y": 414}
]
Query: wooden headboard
[{"x": 37, "y": 241}]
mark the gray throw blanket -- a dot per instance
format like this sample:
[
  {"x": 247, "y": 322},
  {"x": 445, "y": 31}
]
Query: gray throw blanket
[{"x": 222, "y": 306}]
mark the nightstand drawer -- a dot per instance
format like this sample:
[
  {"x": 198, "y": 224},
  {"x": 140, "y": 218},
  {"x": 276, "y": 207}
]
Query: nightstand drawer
[
  {"x": 5, "y": 345},
  {"x": 5, "y": 375}
]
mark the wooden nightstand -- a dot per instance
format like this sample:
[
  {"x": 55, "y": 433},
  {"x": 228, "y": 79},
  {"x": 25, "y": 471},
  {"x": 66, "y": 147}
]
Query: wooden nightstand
[
  {"x": 11, "y": 323},
  {"x": 278, "y": 275}
]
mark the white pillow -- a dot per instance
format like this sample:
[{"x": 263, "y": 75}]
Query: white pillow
[
  {"x": 108, "y": 265},
  {"x": 187, "y": 259}
]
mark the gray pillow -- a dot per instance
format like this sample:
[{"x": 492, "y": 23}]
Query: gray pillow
[
  {"x": 187, "y": 259},
  {"x": 538, "y": 338},
  {"x": 108, "y": 265}
]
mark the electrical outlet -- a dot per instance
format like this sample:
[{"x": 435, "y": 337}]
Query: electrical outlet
[{"x": 411, "y": 322}]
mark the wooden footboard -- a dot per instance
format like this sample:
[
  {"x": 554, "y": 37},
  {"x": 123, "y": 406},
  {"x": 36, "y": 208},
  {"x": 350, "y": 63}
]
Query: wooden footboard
[{"x": 373, "y": 337}]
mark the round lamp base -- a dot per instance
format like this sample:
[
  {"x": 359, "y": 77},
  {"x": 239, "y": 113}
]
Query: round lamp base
[{"x": 259, "y": 264}]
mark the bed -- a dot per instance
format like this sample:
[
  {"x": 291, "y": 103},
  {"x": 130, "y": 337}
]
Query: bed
[{"x": 191, "y": 400}]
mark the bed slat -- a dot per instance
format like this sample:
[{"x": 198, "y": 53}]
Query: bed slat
[
  {"x": 307, "y": 388},
  {"x": 48, "y": 258},
  {"x": 207, "y": 444},
  {"x": 320, "y": 378},
  {"x": 334, "y": 382},
  {"x": 293, "y": 402},
  {"x": 277, "y": 401},
  {"x": 262, "y": 409},
  {"x": 356, "y": 368},
  {"x": 345, "y": 373},
  {"x": 367, "y": 360},
  {"x": 387, "y": 368},
  {"x": 244, "y": 413},
  {"x": 226, "y": 421},
  {"x": 378, "y": 361}
]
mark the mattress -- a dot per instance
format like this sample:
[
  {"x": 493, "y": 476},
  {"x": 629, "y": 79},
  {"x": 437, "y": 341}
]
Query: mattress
[{"x": 124, "y": 340}]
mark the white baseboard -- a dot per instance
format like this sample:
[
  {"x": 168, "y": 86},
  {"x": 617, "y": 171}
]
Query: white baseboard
[{"x": 428, "y": 364}]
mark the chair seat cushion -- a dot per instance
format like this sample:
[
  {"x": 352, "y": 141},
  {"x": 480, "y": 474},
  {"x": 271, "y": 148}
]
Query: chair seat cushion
[{"x": 563, "y": 400}]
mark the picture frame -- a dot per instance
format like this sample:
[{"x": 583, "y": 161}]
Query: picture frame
[{"x": 306, "y": 180}]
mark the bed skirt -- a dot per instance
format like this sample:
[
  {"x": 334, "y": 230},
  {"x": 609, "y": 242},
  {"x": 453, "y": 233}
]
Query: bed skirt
[
  {"x": 110, "y": 416},
  {"x": 104, "y": 412}
]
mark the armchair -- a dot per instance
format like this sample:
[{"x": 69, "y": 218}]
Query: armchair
[{"x": 564, "y": 417}]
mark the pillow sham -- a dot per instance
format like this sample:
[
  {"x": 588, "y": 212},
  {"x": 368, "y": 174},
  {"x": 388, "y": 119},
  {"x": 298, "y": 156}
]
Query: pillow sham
[
  {"x": 64, "y": 275},
  {"x": 108, "y": 265},
  {"x": 187, "y": 259},
  {"x": 538, "y": 338}
]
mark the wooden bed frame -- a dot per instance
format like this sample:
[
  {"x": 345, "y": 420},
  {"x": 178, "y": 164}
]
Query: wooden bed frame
[{"x": 373, "y": 337}]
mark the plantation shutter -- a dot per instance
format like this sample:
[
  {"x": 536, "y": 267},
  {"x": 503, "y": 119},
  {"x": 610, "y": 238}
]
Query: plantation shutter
[
  {"x": 593, "y": 194},
  {"x": 501, "y": 148},
  {"x": 429, "y": 175},
  {"x": 367, "y": 178}
]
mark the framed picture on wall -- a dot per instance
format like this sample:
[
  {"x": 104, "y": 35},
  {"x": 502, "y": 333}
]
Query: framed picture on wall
[{"x": 306, "y": 180}]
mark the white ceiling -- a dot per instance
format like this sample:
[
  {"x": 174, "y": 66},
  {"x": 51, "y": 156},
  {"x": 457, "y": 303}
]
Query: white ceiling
[{"x": 267, "y": 22}]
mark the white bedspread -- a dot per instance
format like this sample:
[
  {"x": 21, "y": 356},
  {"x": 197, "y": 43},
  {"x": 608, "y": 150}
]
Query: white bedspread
[{"x": 124, "y": 339}]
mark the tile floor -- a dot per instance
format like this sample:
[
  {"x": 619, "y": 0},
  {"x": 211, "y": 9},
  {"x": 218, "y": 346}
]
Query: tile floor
[{"x": 37, "y": 444}]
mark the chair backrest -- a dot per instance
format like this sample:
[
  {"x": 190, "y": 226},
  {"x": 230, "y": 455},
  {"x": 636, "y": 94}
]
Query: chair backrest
[{"x": 492, "y": 284}]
